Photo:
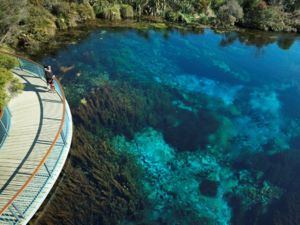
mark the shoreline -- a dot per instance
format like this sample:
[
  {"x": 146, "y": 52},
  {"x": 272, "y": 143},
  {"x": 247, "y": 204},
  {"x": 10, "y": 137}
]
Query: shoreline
[{"x": 73, "y": 34}]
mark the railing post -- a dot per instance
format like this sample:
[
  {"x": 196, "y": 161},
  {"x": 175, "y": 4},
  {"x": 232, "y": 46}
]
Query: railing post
[
  {"x": 47, "y": 169},
  {"x": 14, "y": 214},
  {"x": 4, "y": 128},
  {"x": 9, "y": 112},
  {"x": 16, "y": 208},
  {"x": 63, "y": 137},
  {"x": 20, "y": 64},
  {"x": 39, "y": 73}
]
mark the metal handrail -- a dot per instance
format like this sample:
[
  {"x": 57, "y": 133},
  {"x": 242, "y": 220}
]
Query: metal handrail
[
  {"x": 5, "y": 117},
  {"x": 2, "y": 113},
  {"x": 59, "y": 132}
]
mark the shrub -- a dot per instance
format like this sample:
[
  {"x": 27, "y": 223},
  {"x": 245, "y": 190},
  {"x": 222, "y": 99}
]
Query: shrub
[
  {"x": 5, "y": 78},
  {"x": 215, "y": 4},
  {"x": 270, "y": 18},
  {"x": 85, "y": 11},
  {"x": 112, "y": 13},
  {"x": 9, "y": 85},
  {"x": 41, "y": 24},
  {"x": 179, "y": 17},
  {"x": 61, "y": 9},
  {"x": 230, "y": 12},
  {"x": 204, "y": 20},
  {"x": 204, "y": 5},
  {"x": 127, "y": 11},
  {"x": 15, "y": 87},
  {"x": 251, "y": 4},
  {"x": 8, "y": 62},
  {"x": 171, "y": 16}
]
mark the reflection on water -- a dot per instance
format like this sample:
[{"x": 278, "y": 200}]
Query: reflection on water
[
  {"x": 259, "y": 39},
  {"x": 180, "y": 128}
]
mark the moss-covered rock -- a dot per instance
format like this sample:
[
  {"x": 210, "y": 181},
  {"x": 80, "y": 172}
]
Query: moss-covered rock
[
  {"x": 110, "y": 13},
  {"x": 127, "y": 12},
  {"x": 85, "y": 12},
  {"x": 70, "y": 15}
]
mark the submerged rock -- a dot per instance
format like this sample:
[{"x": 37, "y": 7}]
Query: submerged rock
[
  {"x": 193, "y": 131},
  {"x": 209, "y": 188},
  {"x": 171, "y": 182},
  {"x": 112, "y": 13}
]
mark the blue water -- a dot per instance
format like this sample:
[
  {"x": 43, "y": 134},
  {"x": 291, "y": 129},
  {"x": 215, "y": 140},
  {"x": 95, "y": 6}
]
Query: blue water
[{"x": 236, "y": 106}]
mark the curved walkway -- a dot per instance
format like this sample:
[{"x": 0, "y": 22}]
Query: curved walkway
[{"x": 25, "y": 179}]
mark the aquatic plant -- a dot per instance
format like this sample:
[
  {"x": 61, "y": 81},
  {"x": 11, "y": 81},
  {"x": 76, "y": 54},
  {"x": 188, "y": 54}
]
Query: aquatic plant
[
  {"x": 115, "y": 106},
  {"x": 279, "y": 169},
  {"x": 99, "y": 186}
]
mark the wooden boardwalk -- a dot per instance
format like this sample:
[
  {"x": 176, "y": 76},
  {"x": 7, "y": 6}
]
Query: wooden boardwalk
[{"x": 37, "y": 116}]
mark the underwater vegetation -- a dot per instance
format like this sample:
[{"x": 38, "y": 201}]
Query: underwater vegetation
[
  {"x": 98, "y": 186},
  {"x": 125, "y": 108},
  {"x": 182, "y": 177},
  {"x": 280, "y": 169},
  {"x": 179, "y": 131}
]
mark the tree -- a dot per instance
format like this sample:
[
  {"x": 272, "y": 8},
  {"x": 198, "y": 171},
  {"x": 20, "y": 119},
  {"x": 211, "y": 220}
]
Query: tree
[
  {"x": 11, "y": 13},
  {"x": 230, "y": 12}
]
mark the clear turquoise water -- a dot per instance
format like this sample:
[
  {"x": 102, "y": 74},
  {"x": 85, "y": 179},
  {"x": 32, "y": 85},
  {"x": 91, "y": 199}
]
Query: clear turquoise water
[{"x": 251, "y": 85}]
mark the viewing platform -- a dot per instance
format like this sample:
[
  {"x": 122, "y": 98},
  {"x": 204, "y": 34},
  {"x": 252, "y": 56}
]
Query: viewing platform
[{"x": 35, "y": 139}]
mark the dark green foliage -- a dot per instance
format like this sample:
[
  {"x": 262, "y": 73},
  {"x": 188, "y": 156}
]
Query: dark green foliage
[
  {"x": 26, "y": 24},
  {"x": 267, "y": 18},
  {"x": 5, "y": 78},
  {"x": 8, "y": 62},
  {"x": 12, "y": 12},
  {"x": 230, "y": 12},
  {"x": 8, "y": 84},
  {"x": 127, "y": 12}
]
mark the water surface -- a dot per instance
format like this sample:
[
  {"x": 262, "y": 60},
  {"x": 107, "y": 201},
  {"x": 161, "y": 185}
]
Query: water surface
[{"x": 212, "y": 120}]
